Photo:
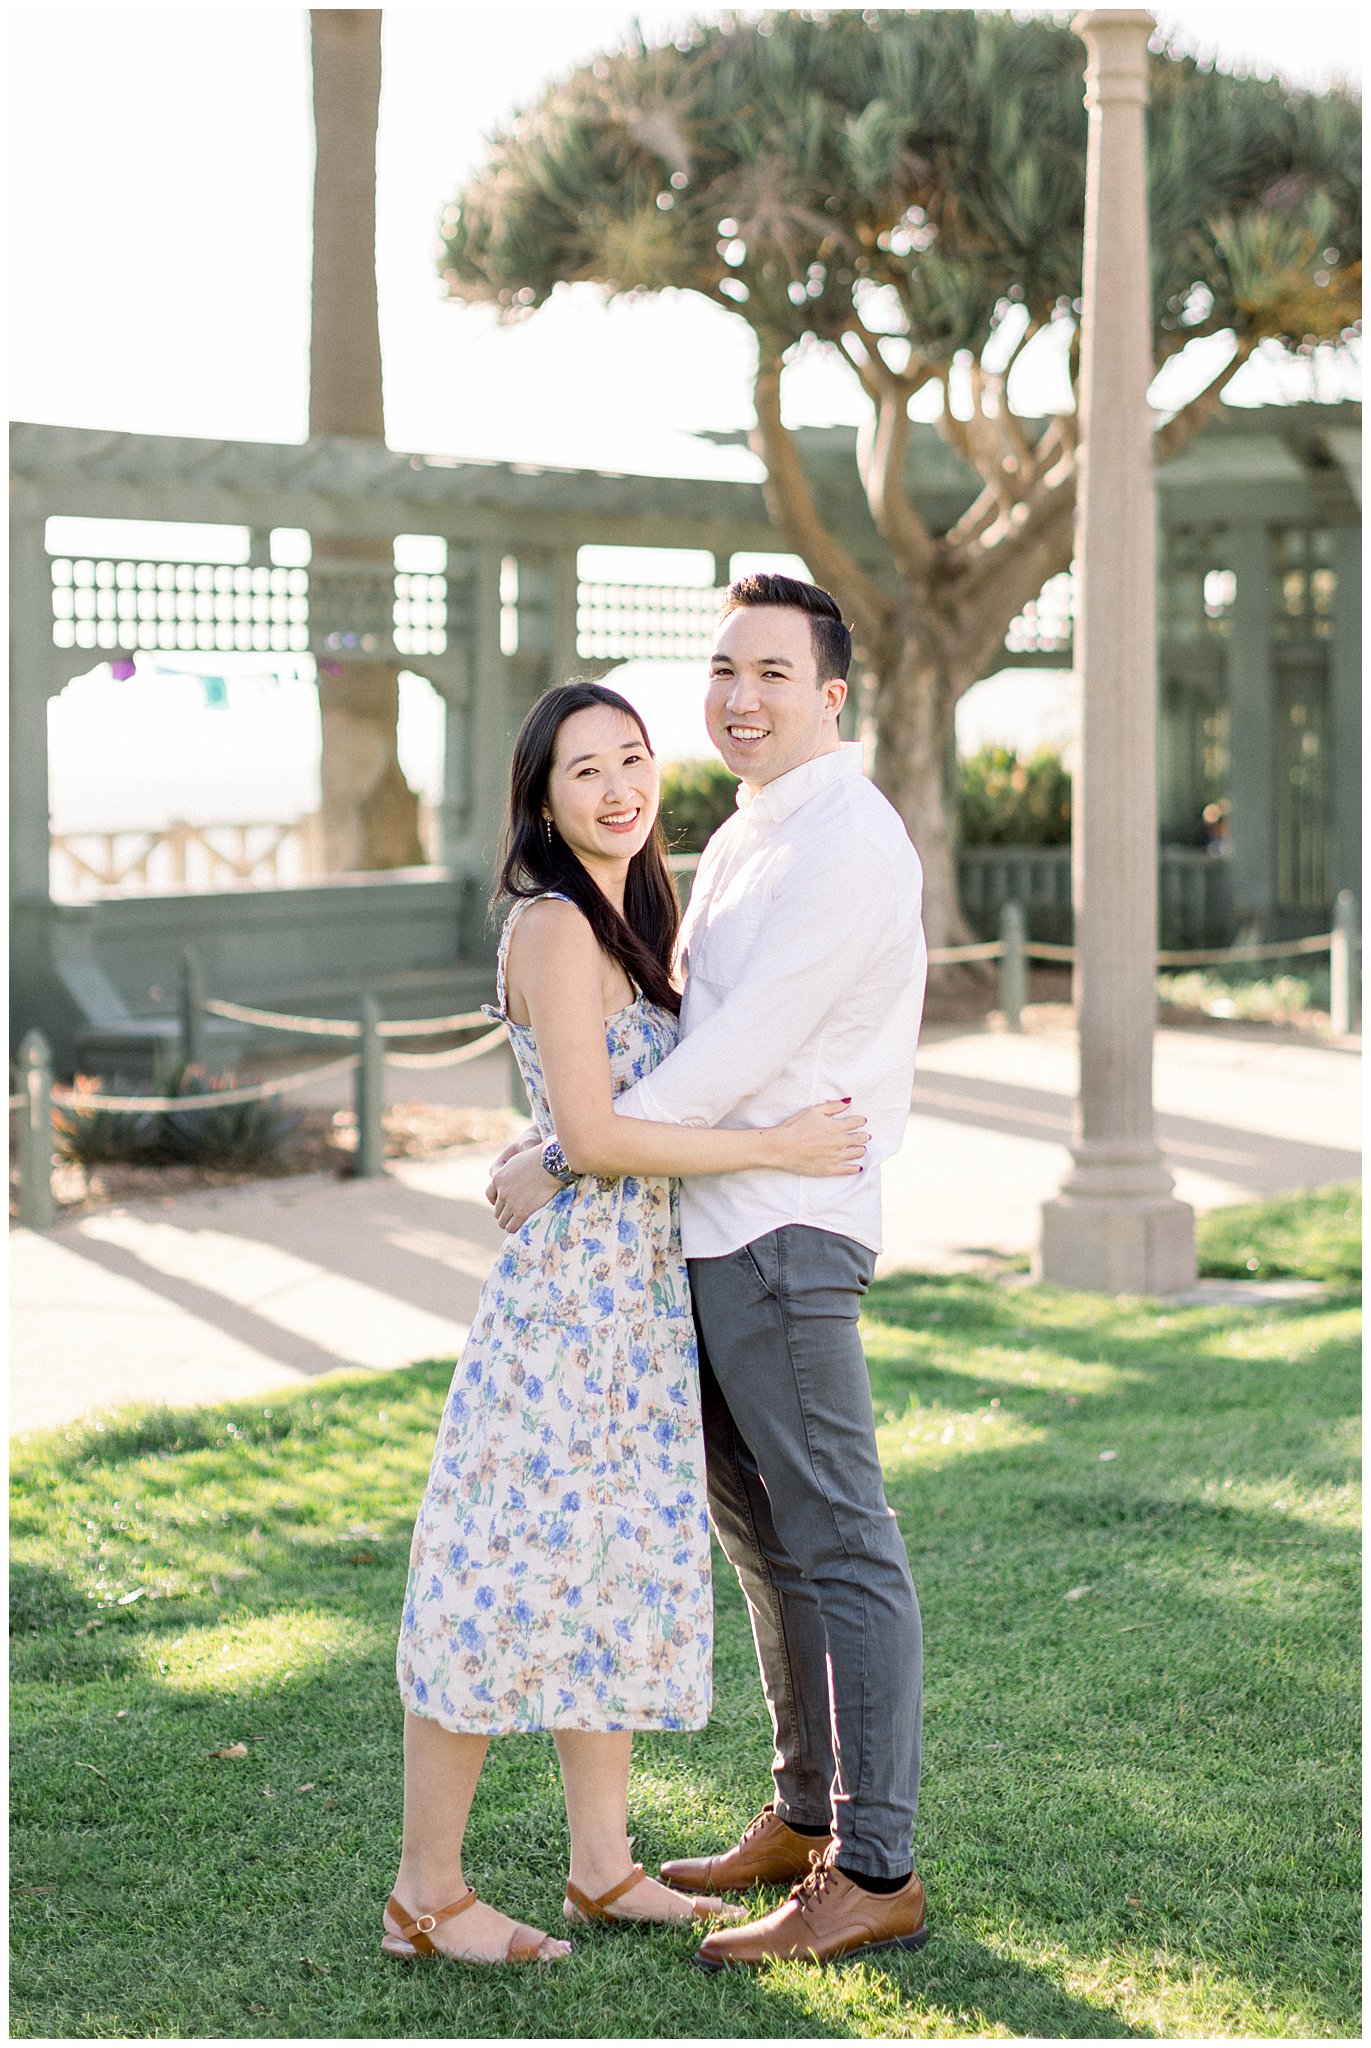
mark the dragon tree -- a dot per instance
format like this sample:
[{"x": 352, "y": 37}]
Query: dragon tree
[{"x": 907, "y": 188}]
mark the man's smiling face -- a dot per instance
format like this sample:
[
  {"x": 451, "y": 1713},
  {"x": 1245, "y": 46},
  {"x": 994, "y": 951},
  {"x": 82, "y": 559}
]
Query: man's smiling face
[{"x": 767, "y": 708}]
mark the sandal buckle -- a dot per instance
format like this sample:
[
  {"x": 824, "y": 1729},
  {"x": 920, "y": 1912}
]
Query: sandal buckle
[{"x": 426, "y": 1923}]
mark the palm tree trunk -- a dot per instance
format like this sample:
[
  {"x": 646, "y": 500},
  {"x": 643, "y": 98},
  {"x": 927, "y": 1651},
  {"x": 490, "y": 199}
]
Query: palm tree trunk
[{"x": 370, "y": 814}]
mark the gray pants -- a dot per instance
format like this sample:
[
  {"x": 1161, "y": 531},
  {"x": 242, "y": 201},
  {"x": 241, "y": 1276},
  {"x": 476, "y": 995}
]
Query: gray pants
[{"x": 796, "y": 1494}]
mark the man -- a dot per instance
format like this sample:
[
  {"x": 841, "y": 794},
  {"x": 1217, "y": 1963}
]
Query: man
[{"x": 805, "y": 967}]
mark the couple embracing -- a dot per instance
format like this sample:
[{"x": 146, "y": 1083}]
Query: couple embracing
[{"x": 606, "y": 1405}]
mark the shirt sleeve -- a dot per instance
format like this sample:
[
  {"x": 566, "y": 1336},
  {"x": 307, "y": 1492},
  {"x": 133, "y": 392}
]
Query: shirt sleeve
[{"x": 826, "y": 924}]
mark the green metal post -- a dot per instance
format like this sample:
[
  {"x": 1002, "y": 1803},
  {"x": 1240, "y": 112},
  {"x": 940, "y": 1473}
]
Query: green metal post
[
  {"x": 371, "y": 1092},
  {"x": 37, "y": 1211},
  {"x": 191, "y": 1000},
  {"x": 1012, "y": 966},
  {"x": 1342, "y": 964}
]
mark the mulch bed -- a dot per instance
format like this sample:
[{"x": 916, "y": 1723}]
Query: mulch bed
[{"x": 323, "y": 1141}]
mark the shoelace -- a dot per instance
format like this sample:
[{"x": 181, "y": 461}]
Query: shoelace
[
  {"x": 810, "y": 1890},
  {"x": 758, "y": 1821}
]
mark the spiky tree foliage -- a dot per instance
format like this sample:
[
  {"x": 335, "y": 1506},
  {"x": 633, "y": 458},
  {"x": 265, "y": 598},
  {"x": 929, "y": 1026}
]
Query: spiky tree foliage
[
  {"x": 370, "y": 813},
  {"x": 910, "y": 188}
]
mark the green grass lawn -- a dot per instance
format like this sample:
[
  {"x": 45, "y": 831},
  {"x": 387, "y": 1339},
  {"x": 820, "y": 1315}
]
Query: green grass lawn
[
  {"x": 1316, "y": 1236},
  {"x": 1134, "y": 1533}
]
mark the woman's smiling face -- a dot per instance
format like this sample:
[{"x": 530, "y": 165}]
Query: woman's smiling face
[{"x": 604, "y": 787}]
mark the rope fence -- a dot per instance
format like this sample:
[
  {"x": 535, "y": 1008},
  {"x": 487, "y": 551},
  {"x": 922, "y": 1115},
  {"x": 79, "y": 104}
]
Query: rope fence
[
  {"x": 456, "y": 1056},
  {"x": 276, "y": 1020},
  {"x": 211, "y": 1098},
  {"x": 1287, "y": 949},
  {"x": 340, "y": 1027},
  {"x": 1013, "y": 949},
  {"x": 951, "y": 956}
]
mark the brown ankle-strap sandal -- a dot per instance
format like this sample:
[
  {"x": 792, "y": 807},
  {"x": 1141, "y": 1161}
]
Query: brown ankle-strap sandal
[
  {"x": 579, "y": 1906},
  {"x": 525, "y": 1944}
]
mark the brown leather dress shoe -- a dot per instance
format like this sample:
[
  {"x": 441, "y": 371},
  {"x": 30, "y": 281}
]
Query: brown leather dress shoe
[
  {"x": 768, "y": 1852},
  {"x": 826, "y": 1918}
]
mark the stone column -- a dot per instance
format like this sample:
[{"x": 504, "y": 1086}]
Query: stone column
[{"x": 1116, "y": 1226}]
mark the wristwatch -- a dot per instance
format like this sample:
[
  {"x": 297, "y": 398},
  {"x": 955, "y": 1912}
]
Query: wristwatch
[{"x": 555, "y": 1163}]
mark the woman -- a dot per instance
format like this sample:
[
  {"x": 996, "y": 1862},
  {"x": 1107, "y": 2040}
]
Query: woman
[{"x": 560, "y": 1572}]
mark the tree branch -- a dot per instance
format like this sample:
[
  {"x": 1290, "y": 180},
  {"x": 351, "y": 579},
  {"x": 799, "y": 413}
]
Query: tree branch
[
  {"x": 1057, "y": 440},
  {"x": 1019, "y": 454},
  {"x": 1057, "y": 443},
  {"x": 955, "y": 432},
  {"x": 1005, "y": 573},
  {"x": 986, "y": 445},
  {"x": 978, "y": 517},
  {"x": 791, "y": 503},
  {"x": 1031, "y": 328},
  {"x": 916, "y": 372},
  {"x": 881, "y": 457},
  {"x": 1181, "y": 430},
  {"x": 872, "y": 379},
  {"x": 1015, "y": 579},
  {"x": 994, "y": 556}
]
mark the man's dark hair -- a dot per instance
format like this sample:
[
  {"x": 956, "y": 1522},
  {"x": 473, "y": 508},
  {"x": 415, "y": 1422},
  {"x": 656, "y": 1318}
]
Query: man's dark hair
[{"x": 831, "y": 640}]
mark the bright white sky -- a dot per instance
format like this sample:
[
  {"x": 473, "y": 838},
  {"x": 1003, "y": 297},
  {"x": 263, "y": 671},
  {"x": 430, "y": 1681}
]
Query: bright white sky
[
  {"x": 162, "y": 170},
  {"x": 160, "y": 250}
]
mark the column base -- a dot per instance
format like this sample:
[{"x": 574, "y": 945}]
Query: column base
[{"x": 1117, "y": 1244}]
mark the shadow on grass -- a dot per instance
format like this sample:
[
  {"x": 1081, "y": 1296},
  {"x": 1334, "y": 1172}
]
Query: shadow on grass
[
  {"x": 1159, "y": 1767},
  {"x": 1085, "y": 1775},
  {"x": 157, "y": 1888},
  {"x": 1161, "y": 1366}
]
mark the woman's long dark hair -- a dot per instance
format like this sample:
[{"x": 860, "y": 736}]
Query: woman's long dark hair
[{"x": 643, "y": 940}]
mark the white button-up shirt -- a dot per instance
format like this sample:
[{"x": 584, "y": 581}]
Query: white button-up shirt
[{"x": 805, "y": 966}]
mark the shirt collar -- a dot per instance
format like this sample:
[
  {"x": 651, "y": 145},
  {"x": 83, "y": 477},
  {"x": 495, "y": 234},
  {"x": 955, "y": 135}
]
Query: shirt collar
[{"x": 777, "y": 800}]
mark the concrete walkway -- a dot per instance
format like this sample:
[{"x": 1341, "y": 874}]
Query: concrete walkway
[{"x": 238, "y": 1291}]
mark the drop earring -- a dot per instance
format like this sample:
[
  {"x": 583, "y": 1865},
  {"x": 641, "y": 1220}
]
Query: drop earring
[{"x": 547, "y": 828}]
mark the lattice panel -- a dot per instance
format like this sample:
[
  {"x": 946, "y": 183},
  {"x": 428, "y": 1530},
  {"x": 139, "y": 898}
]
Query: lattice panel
[
  {"x": 631, "y": 621},
  {"x": 352, "y": 611},
  {"x": 1304, "y": 583},
  {"x": 223, "y": 608},
  {"x": 1196, "y": 589},
  {"x": 204, "y": 607},
  {"x": 420, "y": 613}
]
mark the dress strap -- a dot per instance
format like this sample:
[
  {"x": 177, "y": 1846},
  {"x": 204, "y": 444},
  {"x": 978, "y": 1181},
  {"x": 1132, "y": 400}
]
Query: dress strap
[{"x": 517, "y": 911}]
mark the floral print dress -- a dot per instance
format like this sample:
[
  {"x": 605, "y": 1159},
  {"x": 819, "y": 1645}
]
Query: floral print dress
[{"x": 560, "y": 1575}]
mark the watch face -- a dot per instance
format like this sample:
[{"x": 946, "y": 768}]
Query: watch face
[{"x": 555, "y": 1162}]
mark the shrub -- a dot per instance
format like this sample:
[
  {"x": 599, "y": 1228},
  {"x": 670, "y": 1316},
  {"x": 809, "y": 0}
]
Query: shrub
[
  {"x": 1007, "y": 801},
  {"x": 1003, "y": 800},
  {"x": 233, "y": 1134},
  {"x": 236, "y": 1134},
  {"x": 697, "y": 797},
  {"x": 1253, "y": 996},
  {"x": 103, "y": 1137}
]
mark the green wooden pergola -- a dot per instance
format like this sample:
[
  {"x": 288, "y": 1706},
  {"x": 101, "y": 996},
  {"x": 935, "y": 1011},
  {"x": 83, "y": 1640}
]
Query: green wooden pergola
[{"x": 1260, "y": 675}]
